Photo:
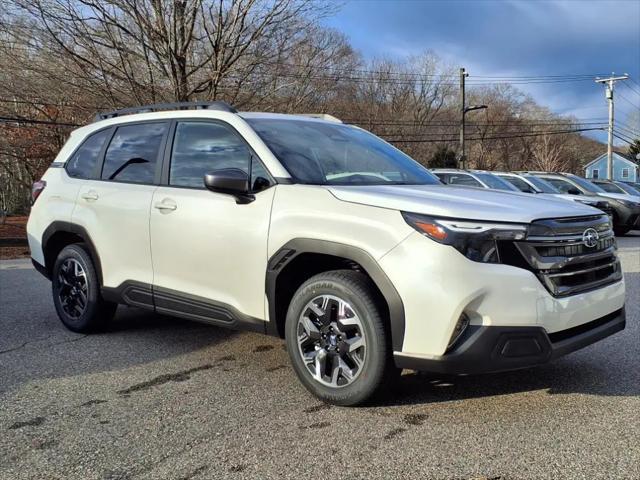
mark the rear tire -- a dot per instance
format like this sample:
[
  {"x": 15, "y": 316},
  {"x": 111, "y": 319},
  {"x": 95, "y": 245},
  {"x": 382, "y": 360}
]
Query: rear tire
[
  {"x": 337, "y": 340},
  {"x": 76, "y": 291}
]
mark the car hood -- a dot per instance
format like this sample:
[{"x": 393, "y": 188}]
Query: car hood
[
  {"x": 461, "y": 202},
  {"x": 577, "y": 198},
  {"x": 620, "y": 196}
]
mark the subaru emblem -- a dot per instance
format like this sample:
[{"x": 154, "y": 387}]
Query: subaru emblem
[{"x": 590, "y": 237}]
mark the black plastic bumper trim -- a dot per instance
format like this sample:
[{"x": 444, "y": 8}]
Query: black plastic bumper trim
[
  {"x": 488, "y": 349},
  {"x": 41, "y": 269}
]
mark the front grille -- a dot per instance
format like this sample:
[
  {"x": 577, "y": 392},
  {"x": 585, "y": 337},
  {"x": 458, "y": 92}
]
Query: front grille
[
  {"x": 561, "y": 260},
  {"x": 575, "y": 249}
]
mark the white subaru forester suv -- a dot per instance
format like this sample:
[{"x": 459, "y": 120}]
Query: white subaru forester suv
[{"x": 322, "y": 233}]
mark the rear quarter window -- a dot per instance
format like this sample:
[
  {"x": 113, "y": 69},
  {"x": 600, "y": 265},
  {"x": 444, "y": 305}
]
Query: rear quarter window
[{"x": 82, "y": 163}]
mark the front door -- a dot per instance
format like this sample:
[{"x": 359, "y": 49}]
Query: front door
[{"x": 209, "y": 252}]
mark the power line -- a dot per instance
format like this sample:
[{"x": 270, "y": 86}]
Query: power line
[
  {"x": 627, "y": 129},
  {"x": 21, "y": 120},
  {"x": 628, "y": 101},
  {"x": 633, "y": 89},
  {"x": 451, "y": 124},
  {"x": 39, "y": 102},
  {"x": 623, "y": 139},
  {"x": 537, "y": 134}
]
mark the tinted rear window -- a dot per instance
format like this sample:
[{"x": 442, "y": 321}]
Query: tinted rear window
[
  {"x": 132, "y": 155},
  {"x": 83, "y": 162}
]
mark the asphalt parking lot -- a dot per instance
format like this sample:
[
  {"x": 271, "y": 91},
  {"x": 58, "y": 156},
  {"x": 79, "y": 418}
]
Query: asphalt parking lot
[{"x": 157, "y": 397}]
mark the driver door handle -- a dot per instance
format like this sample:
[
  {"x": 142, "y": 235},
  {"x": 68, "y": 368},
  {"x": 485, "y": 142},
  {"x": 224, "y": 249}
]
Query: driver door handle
[
  {"x": 165, "y": 205},
  {"x": 91, "y": 195}
]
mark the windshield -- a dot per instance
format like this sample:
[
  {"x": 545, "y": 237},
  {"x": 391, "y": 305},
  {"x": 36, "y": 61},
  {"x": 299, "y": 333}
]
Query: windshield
[
  {"x": 586, "y": 184},
  {"x": 628, "y": 189},
  {"x": 610, "y": 187},
  {"x": 320, "y": 153},
  {"x": 495, "y": 182},
  {"x": 541, "y": 184}
]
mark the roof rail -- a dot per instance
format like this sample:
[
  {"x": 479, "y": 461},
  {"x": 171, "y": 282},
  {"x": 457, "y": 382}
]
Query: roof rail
[
  {"x": 321, "y": 116},
  {"x": 158, "y": 107}
]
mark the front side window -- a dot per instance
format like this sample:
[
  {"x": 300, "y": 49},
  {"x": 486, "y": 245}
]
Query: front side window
[
  {"x": 518, "y": 183},
  {"x": 495, "y": 182},
  {"x": 132, "y": 155},
  {"x": 83, "y": 162},
  {"x": 585, "y": 184},
  {"x": 202, "y": 147},
  {"x": 466, "y": 180},
  {"x": 541, "y": 184},
  {"x": 564, "y": 186},
  {"x": 322, "y": 153}
]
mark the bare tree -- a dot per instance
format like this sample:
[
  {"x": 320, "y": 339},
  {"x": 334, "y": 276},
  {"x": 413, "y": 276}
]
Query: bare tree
[{"x": 155, "y": 50}]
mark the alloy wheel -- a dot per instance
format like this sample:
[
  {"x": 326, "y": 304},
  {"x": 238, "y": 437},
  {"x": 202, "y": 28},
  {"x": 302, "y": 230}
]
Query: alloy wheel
[
  {"x": 331, "y": 341},
  {"x": 72, "y": 288}
]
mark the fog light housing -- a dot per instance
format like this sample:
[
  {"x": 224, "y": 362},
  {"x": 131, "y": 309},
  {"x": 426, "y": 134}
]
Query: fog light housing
[{"x": 461, "y": 326}]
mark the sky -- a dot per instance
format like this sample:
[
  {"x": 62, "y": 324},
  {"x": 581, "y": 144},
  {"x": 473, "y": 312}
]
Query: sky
[{"x": 513, "y": 38}]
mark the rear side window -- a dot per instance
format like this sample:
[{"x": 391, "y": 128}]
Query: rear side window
[
  {"x": 132, "y": 155},
  {"x": 200, "y": 147},
  {"x": 83, "y": 162}
]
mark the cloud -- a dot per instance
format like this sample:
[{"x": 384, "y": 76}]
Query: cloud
[{"x": 509, "y": 38}]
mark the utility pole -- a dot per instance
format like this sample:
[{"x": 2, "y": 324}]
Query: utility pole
[
  {"x": 462, "y": 159},
  {"x": 462, "y": 162},
  {"x": 609, "y": 95}
]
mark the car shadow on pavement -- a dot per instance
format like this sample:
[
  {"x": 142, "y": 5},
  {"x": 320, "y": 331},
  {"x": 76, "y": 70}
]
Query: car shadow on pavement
[
  {"x": 134, "y": 337},
  {"x": 563, "y": 377}
]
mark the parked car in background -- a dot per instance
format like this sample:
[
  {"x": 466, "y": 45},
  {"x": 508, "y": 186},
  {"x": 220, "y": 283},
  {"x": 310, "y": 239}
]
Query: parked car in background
[
  {"x": 615, "y": 187},
  {"x": 472, "y": 178},
  {"x": 528, "y": 183},
  {"x": 625, "y": 207}
]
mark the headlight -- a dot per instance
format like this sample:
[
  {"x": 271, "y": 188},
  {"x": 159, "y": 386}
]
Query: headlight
[{"x": 475, "y": 240}]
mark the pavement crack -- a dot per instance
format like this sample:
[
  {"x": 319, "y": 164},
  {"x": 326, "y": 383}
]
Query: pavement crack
[
  {"x": 24, "y": 344},
  {"x": 394, "y": 433},
  {"x": 166, "y": 378},
  {"x": 34, "y": 422}
]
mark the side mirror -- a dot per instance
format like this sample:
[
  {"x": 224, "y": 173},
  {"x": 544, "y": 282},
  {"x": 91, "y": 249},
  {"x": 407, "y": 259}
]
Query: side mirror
[
  {"x": 574, "y": 191},
  {"x": 231, "y": 181}
]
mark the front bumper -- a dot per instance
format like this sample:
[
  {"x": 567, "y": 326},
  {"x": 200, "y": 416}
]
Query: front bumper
[{"x": 485, "y": 349}]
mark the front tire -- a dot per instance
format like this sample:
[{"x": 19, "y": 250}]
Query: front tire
[
  {"x": 76, "y": 291},
  {"x": 337, "y": 340},
  {"x": 621, "y": 231}
]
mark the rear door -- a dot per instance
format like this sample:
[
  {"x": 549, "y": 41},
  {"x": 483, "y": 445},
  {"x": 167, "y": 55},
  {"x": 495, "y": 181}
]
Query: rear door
[
  {"x": 210, "y": 252},
  {"x": 114, "y": 206}
]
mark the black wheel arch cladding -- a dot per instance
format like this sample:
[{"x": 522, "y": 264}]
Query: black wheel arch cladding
[{"x": 334, "y": 252}]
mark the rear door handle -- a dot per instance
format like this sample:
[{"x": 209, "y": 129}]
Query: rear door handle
[
  {"x": 165, "y": 205},
  {"x": 90, "y": 196}
]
